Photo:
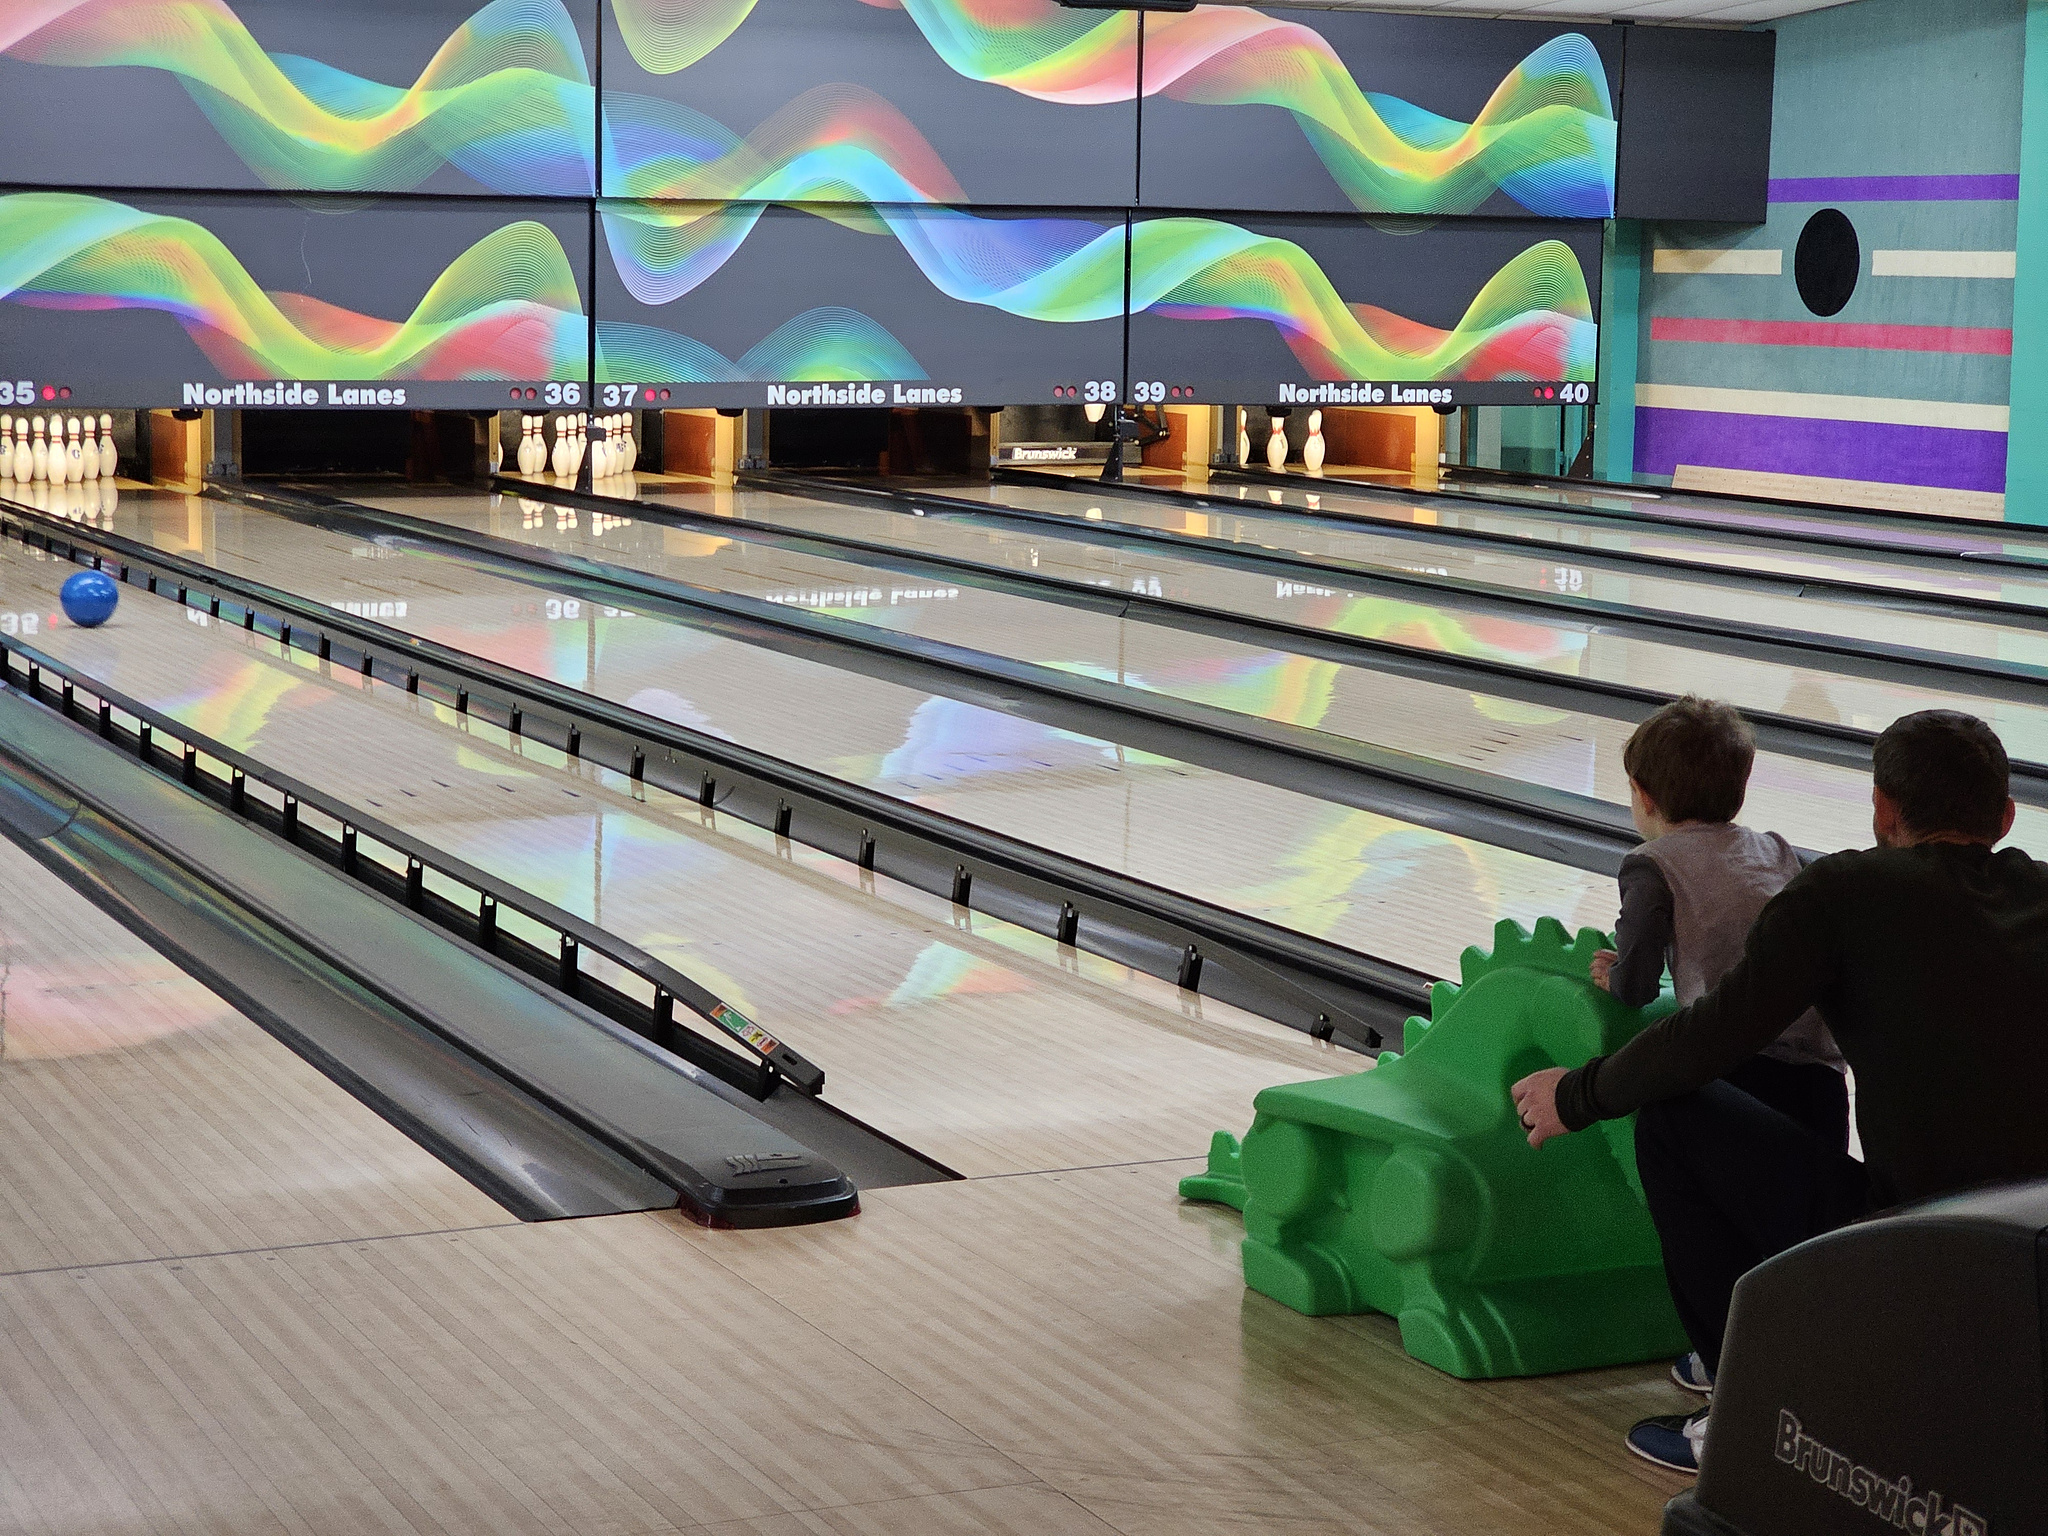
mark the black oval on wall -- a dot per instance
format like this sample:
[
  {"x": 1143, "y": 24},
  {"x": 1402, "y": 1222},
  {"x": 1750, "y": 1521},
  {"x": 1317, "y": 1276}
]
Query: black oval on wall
[{"x": 1828, "y": 262}]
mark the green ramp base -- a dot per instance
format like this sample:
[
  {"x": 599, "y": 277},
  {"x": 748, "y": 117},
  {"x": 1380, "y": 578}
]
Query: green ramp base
[{"x": 1411, "y": 1188}]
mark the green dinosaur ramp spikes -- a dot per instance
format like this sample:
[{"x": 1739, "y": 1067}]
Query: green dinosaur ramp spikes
[{"x": 1411, "y": 1188}]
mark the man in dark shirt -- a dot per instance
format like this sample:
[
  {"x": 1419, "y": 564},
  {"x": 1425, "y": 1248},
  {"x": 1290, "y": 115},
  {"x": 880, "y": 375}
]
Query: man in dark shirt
[{"x": 1928, "y": 958}]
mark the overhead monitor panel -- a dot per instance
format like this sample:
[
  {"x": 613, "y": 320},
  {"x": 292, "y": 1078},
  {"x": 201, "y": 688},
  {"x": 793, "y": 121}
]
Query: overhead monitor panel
[
  {"x": 1349, "y": 311},
  {"x": 942, "y": 101},
  {"x": 1327, "y": 111},
  {"x": 738, "y": 304},
  {"x": 258, "y": 300},
  {"x": 1696, "y": 129},
  {"x": 446, "y": 96}
]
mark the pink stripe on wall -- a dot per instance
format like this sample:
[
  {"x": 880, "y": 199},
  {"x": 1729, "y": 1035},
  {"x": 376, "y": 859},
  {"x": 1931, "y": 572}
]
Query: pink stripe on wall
[{"x": 1981, "y": 340}]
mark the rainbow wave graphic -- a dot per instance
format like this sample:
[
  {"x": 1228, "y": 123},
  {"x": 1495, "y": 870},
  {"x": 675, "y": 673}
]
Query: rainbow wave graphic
[
  {"x": 1546, "y": 136},
  {"x": 506, "y": 308},
  {"x": 1532, "y": 320},
  {"x": 507, "y": 99}
]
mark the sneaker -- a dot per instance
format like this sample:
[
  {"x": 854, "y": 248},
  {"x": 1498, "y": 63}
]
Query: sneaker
[
  {"x": 1692, "y": 1374},
  {"x": 1673, "y": 1441}
]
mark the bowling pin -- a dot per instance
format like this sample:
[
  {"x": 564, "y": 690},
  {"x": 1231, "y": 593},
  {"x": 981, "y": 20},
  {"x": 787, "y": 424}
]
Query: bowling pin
[
  {"x": 524, "y": 457},
  {"x": 6, "y": 447},
  {"x": 537, "y": 444},
  {"x": 558, "y": 461},
  {"x": 579, "y": 444},
  {"x": 1276, "y": 444},
  {"x": 110, "y": 459},
  {"x": 74, "y": 454},
  {"x": 89, "y": 451},
  {"x": 1244, "y": 440},
  {"x": 24, "y": 463},
  {"x": 601, "y": 450},
  {"x": 1313, "y": 450},
  {"x": 632, "y": 443},
  {"x": 41, "y": 455}
]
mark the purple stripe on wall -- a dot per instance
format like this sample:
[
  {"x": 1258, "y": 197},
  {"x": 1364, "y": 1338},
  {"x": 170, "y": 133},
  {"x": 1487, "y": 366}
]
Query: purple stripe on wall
[
  {"x": 1895, "y": 189},
  {"x": 1949, "y": 457}
]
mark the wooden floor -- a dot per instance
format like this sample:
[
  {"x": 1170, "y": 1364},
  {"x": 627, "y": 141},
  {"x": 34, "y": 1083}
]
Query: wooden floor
[
  {"x": 1040, "y": 1353},
  {"x": 143, "y": 1118}
]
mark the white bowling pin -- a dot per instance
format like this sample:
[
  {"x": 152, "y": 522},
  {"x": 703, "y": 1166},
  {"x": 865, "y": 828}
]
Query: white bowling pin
[
  {"x": 1276, "y": 444},
  {"x": 1244, "y": 440},
  {"x": 89, "y": 451},
  {"x": 74, "y": 455},
  {"x": 1313, "y": 450},
  {"x": 579, "y": 443},
  {"x": 632, "y": 442},
  {"x": 110, "y": 458},
  {"x": 24, "y": 463},
  {"x": 601, "y": 451},
  {"x": 558, "y": 461},
  {"x": 537, "y": 444},
  {"x": 41, "y": 455},
  {"x": 523, "y": 458},
  {"x": 6, "y": 447}
]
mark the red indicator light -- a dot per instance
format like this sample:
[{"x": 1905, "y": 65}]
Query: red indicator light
[{"x": 49, "y": 391}]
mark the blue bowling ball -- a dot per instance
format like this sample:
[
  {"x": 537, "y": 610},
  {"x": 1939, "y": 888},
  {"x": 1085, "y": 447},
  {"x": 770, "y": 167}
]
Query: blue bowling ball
[{"x": 89, "y": 598}]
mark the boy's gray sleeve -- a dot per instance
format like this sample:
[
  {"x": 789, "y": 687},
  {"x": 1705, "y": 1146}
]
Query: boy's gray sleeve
[{"x": 1643, "y": 932}]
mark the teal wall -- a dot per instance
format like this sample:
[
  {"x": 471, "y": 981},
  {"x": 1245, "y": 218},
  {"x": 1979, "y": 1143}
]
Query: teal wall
[
  {"x": 2026, "y": 490},
  {"x": 1905, "y": 116}
]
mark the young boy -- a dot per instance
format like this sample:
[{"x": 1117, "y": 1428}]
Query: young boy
[{"x": 1688, "y": 897}]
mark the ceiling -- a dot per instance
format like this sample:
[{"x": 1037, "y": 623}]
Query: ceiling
[{"x": 1725, "y": 12}]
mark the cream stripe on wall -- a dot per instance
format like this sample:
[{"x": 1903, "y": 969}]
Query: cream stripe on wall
[
  {"x": 1721, "y": 263},
  {"x": 1871, "y": 408},
  {"x": 1943, "y": 264}
]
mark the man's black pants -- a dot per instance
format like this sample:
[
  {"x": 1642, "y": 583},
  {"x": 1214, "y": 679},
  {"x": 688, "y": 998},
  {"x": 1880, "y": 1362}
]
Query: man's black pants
[{"x": 1732, "y": 1181}]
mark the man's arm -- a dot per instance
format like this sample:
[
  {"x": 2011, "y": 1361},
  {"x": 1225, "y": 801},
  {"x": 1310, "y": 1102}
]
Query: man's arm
[
  {"x": 1786, "y": 965},
  {"x": 1643, "y": 932}
]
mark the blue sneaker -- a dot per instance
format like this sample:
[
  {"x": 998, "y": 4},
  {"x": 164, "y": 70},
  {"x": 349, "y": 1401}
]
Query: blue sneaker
[
  {"x": 1692, "y": 1374},
  {"x": 1671, "y": 1441}
]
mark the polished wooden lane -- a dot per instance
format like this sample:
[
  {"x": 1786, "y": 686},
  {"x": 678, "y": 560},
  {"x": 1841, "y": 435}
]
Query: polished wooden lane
[
  {"x": 1407, "y": 893},
  {"x": 141, "y": 1116},
  {"x": 1816, "y": 805},
  {"x": 978, "y": 1043}
]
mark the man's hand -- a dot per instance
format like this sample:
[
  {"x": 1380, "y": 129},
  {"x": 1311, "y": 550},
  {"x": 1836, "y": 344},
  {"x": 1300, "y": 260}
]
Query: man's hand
[
  {"x": 1536, "y": 1104},
  {"x": 1603, "y": 967}
]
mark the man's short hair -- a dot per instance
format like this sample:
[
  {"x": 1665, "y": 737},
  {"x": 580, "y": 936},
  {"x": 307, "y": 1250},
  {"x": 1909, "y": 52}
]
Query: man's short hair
[
  {"x": 1692, "y": 757},
  {"x": 1946, "y": 772}
]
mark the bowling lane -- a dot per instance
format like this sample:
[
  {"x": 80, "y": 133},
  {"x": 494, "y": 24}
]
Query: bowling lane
[
  {"x": 1816, "y": 805},
  {"x": 1550, "y": 644},
  {"x": 1931, "y": 563},
  {"x": 1932, "y": 534},
  {"x": 1385, "y": 887},
  {"x": 1305, "y": 532},
  {"x": 975, "y": 1043}
]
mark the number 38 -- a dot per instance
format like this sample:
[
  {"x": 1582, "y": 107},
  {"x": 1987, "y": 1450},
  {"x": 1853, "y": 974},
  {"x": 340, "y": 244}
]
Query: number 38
[{"x": 1099, "y": 391}]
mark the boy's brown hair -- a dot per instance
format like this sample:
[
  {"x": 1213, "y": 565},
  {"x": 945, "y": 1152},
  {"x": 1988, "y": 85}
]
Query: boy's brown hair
[{"x": 1692, "y": 757}]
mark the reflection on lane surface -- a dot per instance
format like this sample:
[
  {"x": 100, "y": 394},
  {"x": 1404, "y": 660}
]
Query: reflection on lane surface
[
  {"x": 1815, "y": 805},
  {"x": 1309, "y": 532},
  {"x": 979, "y": 1043},
  {"x": 1384, "y": 887}
]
